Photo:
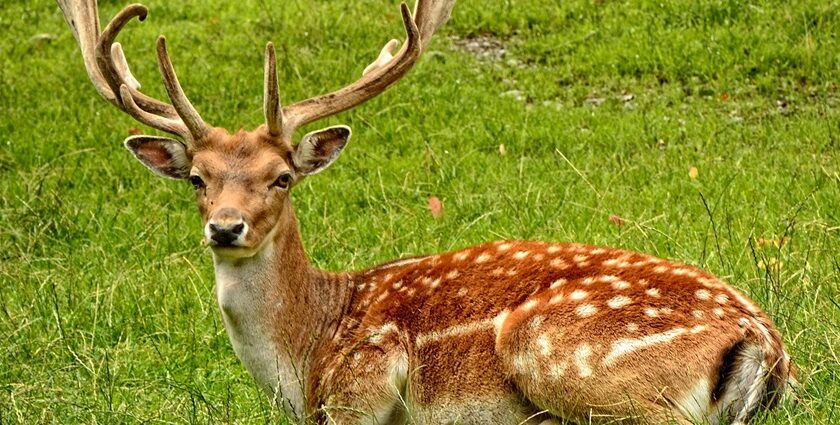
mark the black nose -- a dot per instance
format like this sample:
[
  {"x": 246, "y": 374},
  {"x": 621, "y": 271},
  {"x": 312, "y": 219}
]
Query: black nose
[{"x": 224, "y": 235}]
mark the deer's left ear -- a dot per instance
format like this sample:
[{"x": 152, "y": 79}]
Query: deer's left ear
[{"x": 318, "y": 149}]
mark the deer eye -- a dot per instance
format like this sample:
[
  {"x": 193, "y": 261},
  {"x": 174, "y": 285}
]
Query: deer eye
[
  {"x": 197, "y": 182},
  {"x": 283, "y": 181}
]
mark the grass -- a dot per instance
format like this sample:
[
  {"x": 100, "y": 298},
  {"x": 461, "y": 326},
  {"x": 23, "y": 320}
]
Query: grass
[{"x": 108, "y": 313}]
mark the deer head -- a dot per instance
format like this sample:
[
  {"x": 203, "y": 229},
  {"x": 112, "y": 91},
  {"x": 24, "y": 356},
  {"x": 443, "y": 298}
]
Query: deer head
[{"x": 242, "y": 180}]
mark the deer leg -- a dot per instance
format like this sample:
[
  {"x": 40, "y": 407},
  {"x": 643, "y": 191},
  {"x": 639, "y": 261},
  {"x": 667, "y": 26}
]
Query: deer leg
[{"x": 366, "y": 384}]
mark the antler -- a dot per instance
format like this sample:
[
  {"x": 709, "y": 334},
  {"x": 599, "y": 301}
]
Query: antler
[
  {"x": 110, "y": 74},
  {"x": 428, "y": 16}
]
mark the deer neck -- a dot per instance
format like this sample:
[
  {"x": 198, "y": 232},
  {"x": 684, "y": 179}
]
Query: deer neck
[{"x": 278, "y": 311}]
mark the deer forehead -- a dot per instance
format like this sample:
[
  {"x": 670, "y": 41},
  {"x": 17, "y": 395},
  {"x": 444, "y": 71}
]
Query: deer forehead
[{"x": 239, "y": 156}]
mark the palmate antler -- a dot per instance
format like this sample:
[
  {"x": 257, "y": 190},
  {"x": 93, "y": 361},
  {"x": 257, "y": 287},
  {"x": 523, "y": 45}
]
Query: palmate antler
[
  {"x": 109, "y": 71},
  {"x": 379, "y": 75}
]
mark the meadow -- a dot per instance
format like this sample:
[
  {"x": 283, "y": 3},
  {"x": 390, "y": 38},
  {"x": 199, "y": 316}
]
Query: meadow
[{"x": 702, "y": 132}]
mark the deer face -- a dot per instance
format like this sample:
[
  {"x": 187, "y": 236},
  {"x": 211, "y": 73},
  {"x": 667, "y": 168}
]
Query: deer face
[{"x": 242, "y": 180}]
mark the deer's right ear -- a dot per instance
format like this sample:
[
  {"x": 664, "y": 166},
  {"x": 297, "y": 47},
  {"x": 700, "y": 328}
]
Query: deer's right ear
[{"x": 166, "y": 157}]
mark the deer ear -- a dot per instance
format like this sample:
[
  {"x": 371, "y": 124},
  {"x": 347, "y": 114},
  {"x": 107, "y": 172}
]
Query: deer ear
[
  {"x": 166, "y": 157},
  {"x": 318, "y": 149}
]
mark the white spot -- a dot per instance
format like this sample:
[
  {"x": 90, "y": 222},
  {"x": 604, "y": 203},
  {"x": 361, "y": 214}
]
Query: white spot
[
  {"x": 586, "y": 310},
  {"x": 651, "y": 312},
  {"x": 697, "y": 313},
  {"x": 535, "y": 322},
  {"x": 553, "y": 249},
  {"x": 556, "y": 298},
  {"x": 520, "y": 255},
  {"x": 718, "y": 312},
  {"x": 608, "y": 278},
  {"x": 679, "y": 271},
  {"x": 376, "y": 334},
  {"x": 511, "y": 272},
  {"x": 620, "y": 285},
  {"x": 653, "y": 292},
  {"x": 483, "y": 258},
  {"x": 453, "y": 274},
  {"x": 597, "y": 251},
  {"x": 539, "y": 257},
  {"x": 660, "y": 269},
  {"x": 462, "y": 292},
  {"x": 454, "y": 331},
  {"x": 744, "y": 301},
  {"x": 399, "y": 263},
  {"x": 743, "y": 322},
  {"x": 581, "y": 360},
  {"x": 643, "y": 282},
  {"x": 665, "y": 310},
  {"x": 499, "y": 320},
  {"x": 504, "y": 246},
  {"x": 528, "y": 305},
  {"x": 588, "y": 280},
  {"x": 619, "y": 301},
  {"x": 461, "y": 256},
  {"x": 578, "y": 295},
  {"x": 626, "y": 346},
  {"x": 610, "y": 263},
  {"x": 703, "y": 294},
  {"x": 544, "y": 344},
  {"x": 435, "y": 283},
  {"x": 558, "y": 283},
  {"x": 523, "y": 362},
  {"x": 410, "y": 292},
  {"x": 498, "y": 271},
  {"x": 721, "y": 298},
  {"x": 697, "y": 329},
  {"x": 559, "y": 263},
  {"x": 580, "y": 258},
  {"x": 397, "y": 285},
  {"x": 632, "y": 327},
  {"x": 556, "y": 371}
]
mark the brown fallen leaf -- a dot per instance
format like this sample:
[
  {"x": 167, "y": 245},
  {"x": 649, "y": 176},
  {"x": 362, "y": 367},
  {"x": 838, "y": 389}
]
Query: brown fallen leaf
[
  {"x": 133, "y": 131},
  {"x": 436, "y": 207},
  {"x": 618, "y": 221}
]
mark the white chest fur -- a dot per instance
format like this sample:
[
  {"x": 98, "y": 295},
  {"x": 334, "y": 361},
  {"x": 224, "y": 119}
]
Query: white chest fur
[{"x": 246, "y": 311}]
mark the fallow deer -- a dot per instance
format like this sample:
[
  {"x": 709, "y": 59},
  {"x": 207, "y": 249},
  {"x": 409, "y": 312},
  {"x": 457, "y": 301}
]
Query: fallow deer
[{"x": 502, "y": 333}]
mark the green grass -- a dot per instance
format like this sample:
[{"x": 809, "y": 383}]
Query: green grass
[{"x": 108, "y": 313}]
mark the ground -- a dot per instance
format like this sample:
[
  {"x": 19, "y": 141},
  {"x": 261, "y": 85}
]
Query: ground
[{"x": 705, "y": 133}]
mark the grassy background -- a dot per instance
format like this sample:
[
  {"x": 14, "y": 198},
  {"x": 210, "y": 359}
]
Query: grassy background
[{"x": 108, "y": 313}]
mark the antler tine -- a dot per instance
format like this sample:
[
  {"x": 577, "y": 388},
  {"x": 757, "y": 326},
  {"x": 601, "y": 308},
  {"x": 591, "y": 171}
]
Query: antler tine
[
  {"x": 110, "y": 74},
  {"x": 429, "y": 16},
  {"x": 173, "y": 126},
  {"x": 185, "y": 109},
  {"x": 121, "y": 65},
  {"x": 110, "y": 68},
  {"x": 381, "y": 74},
  {"x": 271, "y": 102}
]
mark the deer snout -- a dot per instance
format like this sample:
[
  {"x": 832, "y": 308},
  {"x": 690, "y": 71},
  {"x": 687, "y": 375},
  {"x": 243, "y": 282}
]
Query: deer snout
[{"x": 226, "y": 227}]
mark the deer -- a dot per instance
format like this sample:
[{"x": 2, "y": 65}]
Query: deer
[{"x": 506, "y": 332}]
